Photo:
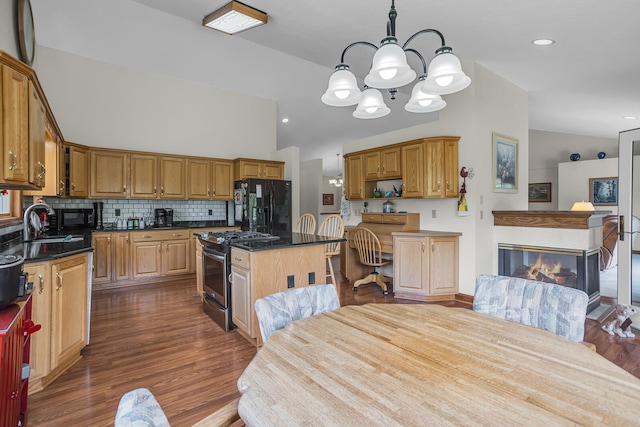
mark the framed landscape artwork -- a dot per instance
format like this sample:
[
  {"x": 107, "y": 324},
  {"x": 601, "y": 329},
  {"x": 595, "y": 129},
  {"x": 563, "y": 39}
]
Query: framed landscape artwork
[
  {"x": 540, "y": 192},
  {"x": 505, "y": 164},
  {"x": 603, "y": 191}
]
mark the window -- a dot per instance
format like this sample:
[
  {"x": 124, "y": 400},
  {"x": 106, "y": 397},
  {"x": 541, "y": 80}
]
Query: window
[
  {"x": 10, "y": 209},
  {"x": 5, "y": 199}
]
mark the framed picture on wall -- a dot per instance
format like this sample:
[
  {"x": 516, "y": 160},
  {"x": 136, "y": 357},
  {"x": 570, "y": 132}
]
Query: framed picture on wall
[
  {"x": 327, "y": 199},
  {"x": 603, "y": 191},
  {"x": 505, "y": 164},
  {"x": 540, "y": 192}
]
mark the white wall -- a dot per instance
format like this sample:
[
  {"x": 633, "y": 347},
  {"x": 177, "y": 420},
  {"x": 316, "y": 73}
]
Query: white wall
[
  {"x": 311, "y": 188},
  {"x": 8, "y": 29},
  {"x": 573, "y": 180},
  {"x": 104, "y": 105},
  {"x": 547, "y": 149},
  {"x": 337, "y": 196},
  {"x": 291, "y": 158},
  {"x": 490, "y": 104}
]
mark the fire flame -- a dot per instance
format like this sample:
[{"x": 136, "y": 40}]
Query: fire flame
[{"x": 549, "y": 270}]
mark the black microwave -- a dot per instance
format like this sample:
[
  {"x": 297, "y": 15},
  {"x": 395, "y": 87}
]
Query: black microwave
[{"x": 72, "y": 219}]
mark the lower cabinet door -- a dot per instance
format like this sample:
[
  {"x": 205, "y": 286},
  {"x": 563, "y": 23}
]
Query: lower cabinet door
[{"x": 241, "y": 301}]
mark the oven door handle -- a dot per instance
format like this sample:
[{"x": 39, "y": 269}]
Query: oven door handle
[
  {"x": 218, "y": 256},
  {"x": 230, "y": 278}
]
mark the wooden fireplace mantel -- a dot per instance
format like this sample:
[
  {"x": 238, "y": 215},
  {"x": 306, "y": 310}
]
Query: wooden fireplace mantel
[{"x": 550, "y": 219}]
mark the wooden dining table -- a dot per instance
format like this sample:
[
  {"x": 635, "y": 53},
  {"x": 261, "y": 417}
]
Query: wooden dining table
[{"x": 419, "y": 365}]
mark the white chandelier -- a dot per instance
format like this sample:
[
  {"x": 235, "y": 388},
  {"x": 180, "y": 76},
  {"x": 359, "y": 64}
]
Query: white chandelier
[
  {"x": 337, "y": 181},
  {"x": 389, "y": 70}
]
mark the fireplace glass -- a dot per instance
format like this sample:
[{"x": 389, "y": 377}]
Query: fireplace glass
[{"x": 573, "y": 268}]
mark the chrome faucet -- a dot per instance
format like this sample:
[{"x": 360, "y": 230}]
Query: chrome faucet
[{"x": 26, "y": 234}]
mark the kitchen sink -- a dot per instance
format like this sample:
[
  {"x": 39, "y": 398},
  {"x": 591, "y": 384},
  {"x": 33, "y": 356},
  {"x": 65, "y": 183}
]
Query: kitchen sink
[{"x": 57, "y": 239}]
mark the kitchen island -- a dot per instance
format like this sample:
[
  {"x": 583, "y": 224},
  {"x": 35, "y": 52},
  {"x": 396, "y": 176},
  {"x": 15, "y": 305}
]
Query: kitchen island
[{"x": 263, "y": 267}]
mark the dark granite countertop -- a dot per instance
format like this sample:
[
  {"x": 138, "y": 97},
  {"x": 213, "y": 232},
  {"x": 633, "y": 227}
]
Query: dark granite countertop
[
  {"x": 284, "y": 241},
  {"x": 37, "y": 251}
]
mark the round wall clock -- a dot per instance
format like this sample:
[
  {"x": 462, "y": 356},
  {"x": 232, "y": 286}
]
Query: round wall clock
[{"x": 26, "y": 33}]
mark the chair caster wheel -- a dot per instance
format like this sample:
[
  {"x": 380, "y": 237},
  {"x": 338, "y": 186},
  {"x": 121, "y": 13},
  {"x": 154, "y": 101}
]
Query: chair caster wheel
[
  {"x": 355, "y": 288},
  {"x": 385, "y": 293}
]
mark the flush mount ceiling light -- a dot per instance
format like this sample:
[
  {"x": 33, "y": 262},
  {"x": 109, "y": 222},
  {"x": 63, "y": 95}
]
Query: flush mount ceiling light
[
  {"x": 543, "y": 42},
  {"x": 234, "y": 17},
  {"x": 390, "y": 70}
]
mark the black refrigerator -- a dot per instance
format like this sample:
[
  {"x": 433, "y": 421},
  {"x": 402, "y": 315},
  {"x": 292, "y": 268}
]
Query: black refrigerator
[{"x": 263, "y": 205}]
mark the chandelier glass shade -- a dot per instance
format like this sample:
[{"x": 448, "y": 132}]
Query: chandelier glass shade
[
  {"x": 390, "y": 70},
  {"x": 337, "y": 181}
]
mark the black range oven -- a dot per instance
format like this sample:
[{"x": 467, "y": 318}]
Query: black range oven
[{"x": 216, "y": 268}]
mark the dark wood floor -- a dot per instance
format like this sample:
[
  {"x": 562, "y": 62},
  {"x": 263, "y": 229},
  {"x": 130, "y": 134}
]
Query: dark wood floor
[{"x": 156, "y": 336}]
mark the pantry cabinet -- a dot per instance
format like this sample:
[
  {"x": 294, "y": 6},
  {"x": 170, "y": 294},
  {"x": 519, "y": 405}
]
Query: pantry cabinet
[
  {"x": 425, "y": 266},
  {"x": 109, "y": 174},
  {"x": 262, "y": 169}
]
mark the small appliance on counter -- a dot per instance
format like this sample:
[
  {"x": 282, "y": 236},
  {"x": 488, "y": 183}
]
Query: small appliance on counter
[
  {"x": 97, "y": 216},
  {"x": 161, "y": 217},
  {"x": 13, "y": 282},
  {"x": 169, "y": 215},
  {"x": 72, "y": 219},
  {"x": 387, "y": 207}
]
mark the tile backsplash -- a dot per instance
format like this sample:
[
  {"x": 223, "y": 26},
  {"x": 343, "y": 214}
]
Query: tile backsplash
[{"x": 183, "y": 210}]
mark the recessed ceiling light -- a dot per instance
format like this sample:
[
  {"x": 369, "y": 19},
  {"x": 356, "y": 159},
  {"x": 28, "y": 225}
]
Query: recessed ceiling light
[
  {"x": 630, "y": 117},
  {"x": 285, "y": 120},
  {"x": 543, "y": 42}
]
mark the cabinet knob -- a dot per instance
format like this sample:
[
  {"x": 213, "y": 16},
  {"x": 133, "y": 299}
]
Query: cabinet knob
[
  {"x": 124, "y": 189},
  {"x": 162, "y": 191},
  {"x": 43, "y": 171},
  {"x": 383, "y": 171},
  {"x": 41, "y": 281},
  {"x": 208, "y": 192},
  {"x": 73, "y": 186},
  {"x": 155, "y": 191},
  {"x": 177, "y": 234},
  {"x": 59, "y": 281},
  {"x": 214, "y": 192}
]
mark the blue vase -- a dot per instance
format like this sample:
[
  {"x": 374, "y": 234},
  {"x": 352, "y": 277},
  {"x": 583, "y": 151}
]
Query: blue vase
[
  {"x": 574, "y": 157},
  {"x": 602, "y": 155}
]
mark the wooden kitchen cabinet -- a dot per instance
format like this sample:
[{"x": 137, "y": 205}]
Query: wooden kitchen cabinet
[
  {"x": 354, "y": 177},
  {"x": 442, "y": 167},
  {"x": 413, "y": 165},
  {"x": 39, "y": 275},
  {"x": 253, "y": 277},
  {"x": 241, "y": 295},
  {"x": 425, "y": 266},
  {"x": 68, "y": 310},
  {"x": 102, "y": 258},
  {"x": 78, "y": 171},
  {"x": 111, "y": 257},
  {"x": 54, "y": 184},
  {"x": 262, "y": 169},
  {"x": 382, "y": 164},
  {"x": 37, "y": 157},
  {"x": 209, "y": 179},
  {"x": 14, "y": 91},
  {"x": 157, "y": 253},
  {"x": 158, "y": 177},
  {"x": 109, "y": 174}
]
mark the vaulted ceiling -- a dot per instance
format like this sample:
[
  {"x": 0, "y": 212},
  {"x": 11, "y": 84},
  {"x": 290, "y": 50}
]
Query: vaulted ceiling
[{"x": 583, "y": 84}]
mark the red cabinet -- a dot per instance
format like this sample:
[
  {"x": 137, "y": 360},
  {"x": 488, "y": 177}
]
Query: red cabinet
[{"x": 15, "y": 328}]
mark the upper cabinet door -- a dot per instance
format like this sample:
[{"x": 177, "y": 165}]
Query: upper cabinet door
[
  {"x": 144, "y": 177},
  {"x": 108, "y": 174},
  {"x": 173, "y": 178},
  {"x": 15, "y": 126},
  {"x": 37, "y": 115},
  {"x": 198, "y": 179},
  {"x": 78, "y": 172},
  {"x": 354, "y": 178},
  {"x": 222, "y": 180},
  {"x": 413, "y": 170},
  {"x": 390, "y": 163},
  {"x": 371, "y": 162}
]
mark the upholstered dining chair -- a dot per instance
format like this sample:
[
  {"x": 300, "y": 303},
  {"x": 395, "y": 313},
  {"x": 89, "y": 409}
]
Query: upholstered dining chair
[
  {"x": 306, "y": 224},
  {"x": 556, "y": 308},
  {"x": 370, "y": 252},
  {"x": 332, "y": 226},
  {"x": 278, "y": 310}
]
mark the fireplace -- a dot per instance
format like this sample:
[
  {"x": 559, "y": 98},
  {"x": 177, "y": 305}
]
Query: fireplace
[{"x": 567, "y": 267}]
